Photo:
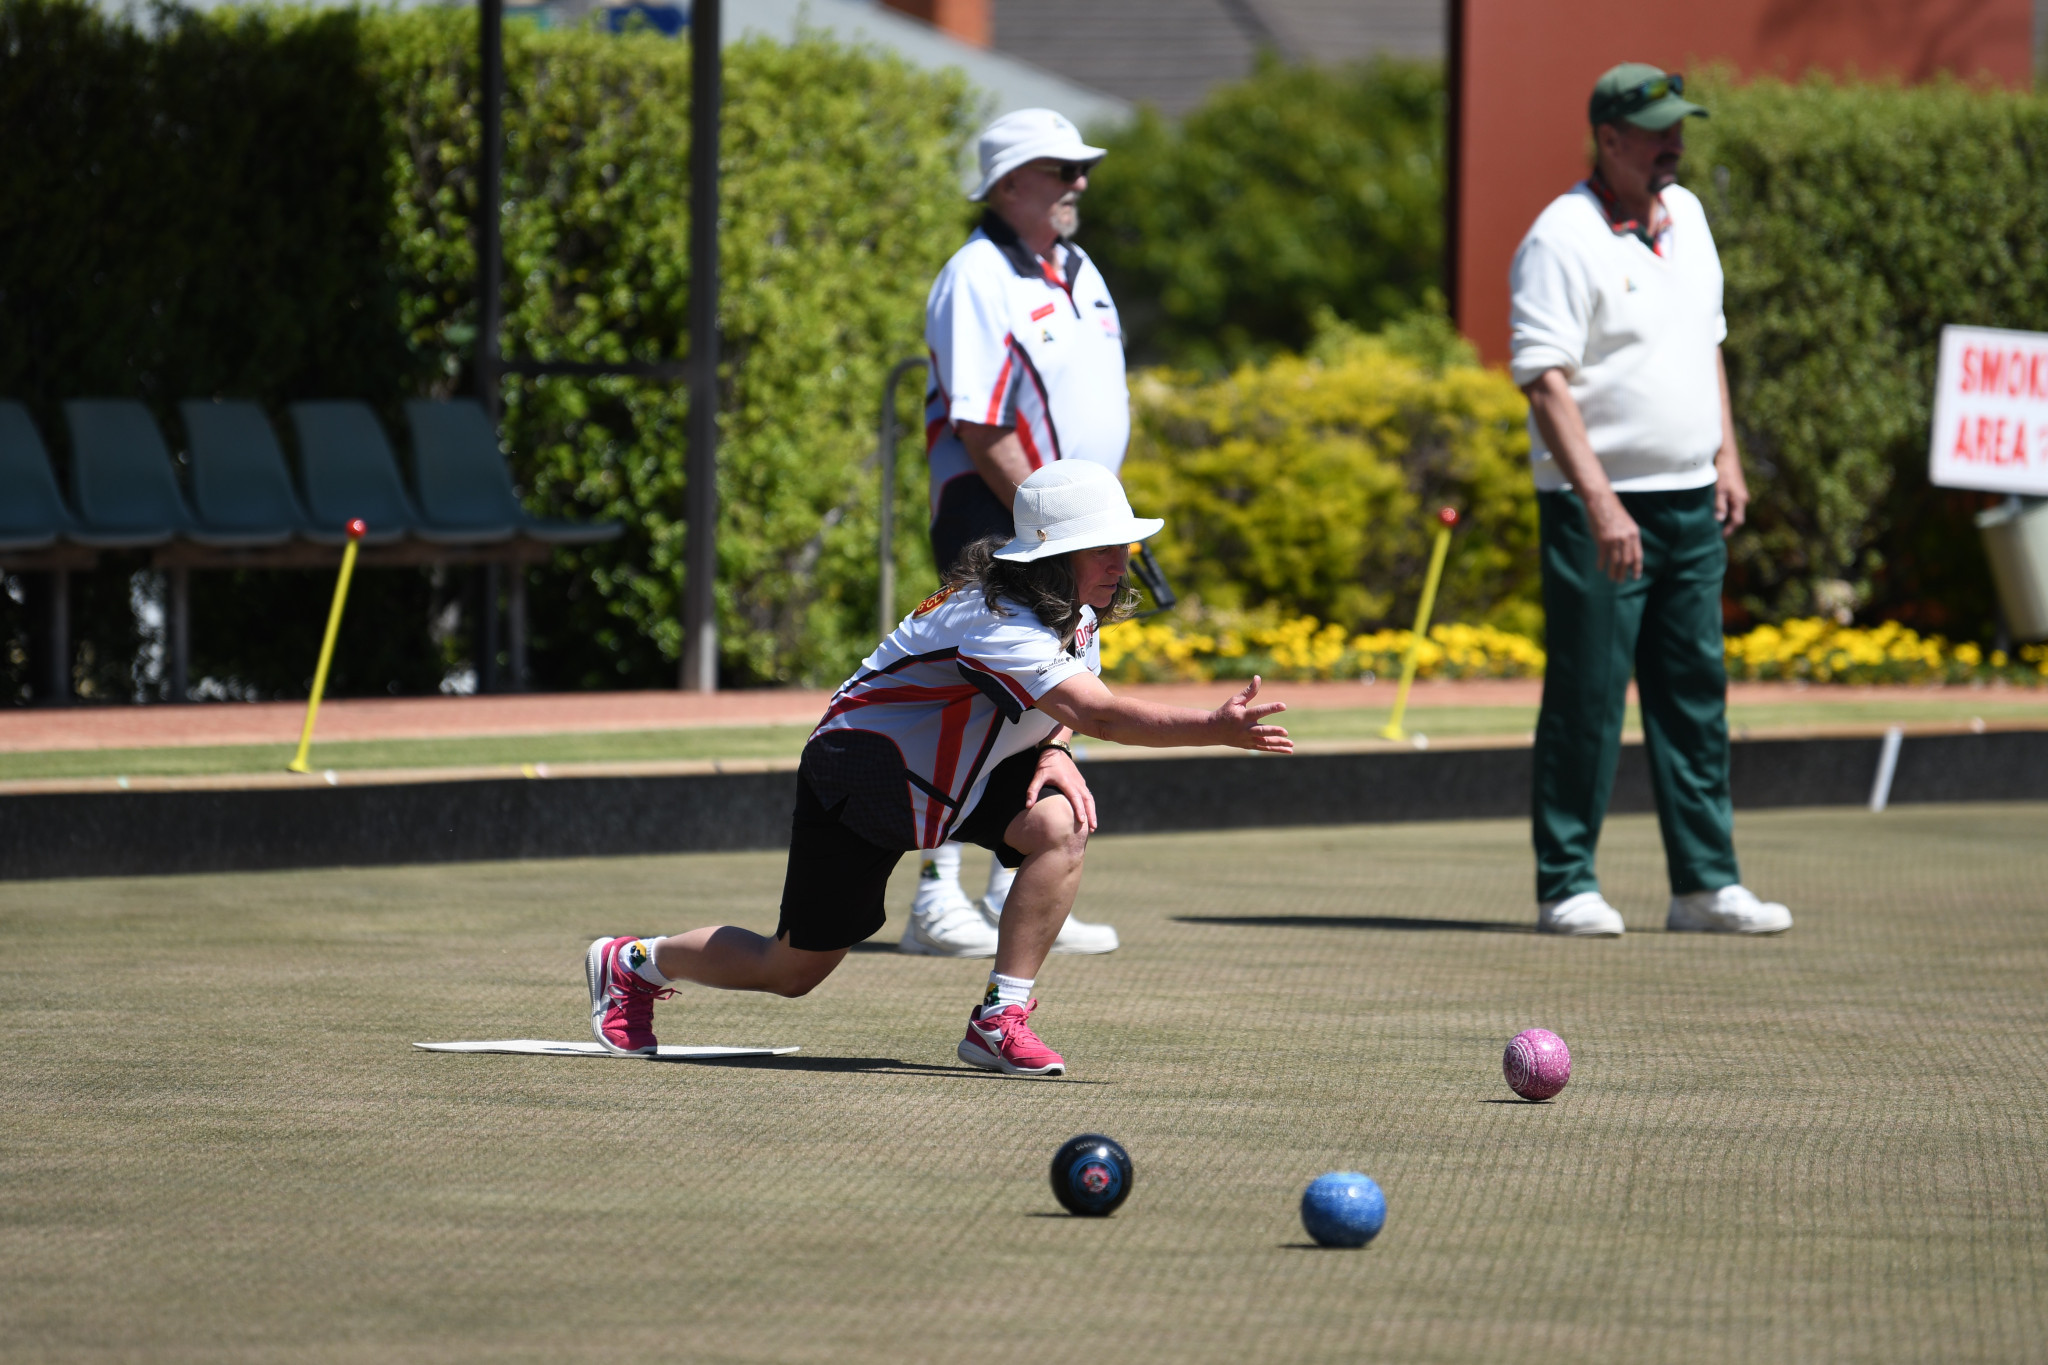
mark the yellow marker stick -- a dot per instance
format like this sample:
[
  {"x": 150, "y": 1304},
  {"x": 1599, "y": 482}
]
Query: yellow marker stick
[
  {"x": 348, "y": 566},
  {"x": 1449, "y": 517}
]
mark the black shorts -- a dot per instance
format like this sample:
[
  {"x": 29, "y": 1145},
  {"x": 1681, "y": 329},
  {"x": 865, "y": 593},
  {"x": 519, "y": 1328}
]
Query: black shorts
[
  {"x": 832, "y": 893},
  {"x": 968, "y": 510}
]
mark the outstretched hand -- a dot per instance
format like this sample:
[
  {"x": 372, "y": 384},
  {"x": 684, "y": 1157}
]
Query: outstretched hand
[{"x": 1239, "y": 720}]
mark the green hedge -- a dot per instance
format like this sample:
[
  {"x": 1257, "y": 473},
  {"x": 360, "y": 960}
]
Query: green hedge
[
  {"x": 1853, "y": 222},
  {"x": 840, "y": 202},
  {"x": 1300, "y": 191},
  {"x": 279, "y": 204},
  {"x": 201, "y": 213}
]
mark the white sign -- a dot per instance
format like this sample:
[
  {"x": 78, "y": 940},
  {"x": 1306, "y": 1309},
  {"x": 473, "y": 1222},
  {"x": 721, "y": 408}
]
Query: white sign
[{"x": 1991, "y": 412}]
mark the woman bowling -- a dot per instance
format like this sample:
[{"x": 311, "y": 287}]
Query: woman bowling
[{"x": 954, "y": 728}]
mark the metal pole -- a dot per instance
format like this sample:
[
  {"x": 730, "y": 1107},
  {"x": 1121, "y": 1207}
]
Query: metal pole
[
  {"x": 700, "y": 603},
  {"x": 490, "y": 252},
  {"x": 60, "y": 637},
  {"x": 181, "y": 632},
  {"x": 1454, "y": 151},
  {"x": 487, "y": 673},
  {"x": 515, "y": 633},
  {"x": 885, "y": 454}
]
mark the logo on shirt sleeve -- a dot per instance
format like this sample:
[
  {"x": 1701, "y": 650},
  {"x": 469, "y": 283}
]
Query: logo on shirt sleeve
[{"x": 932, "y": 603}]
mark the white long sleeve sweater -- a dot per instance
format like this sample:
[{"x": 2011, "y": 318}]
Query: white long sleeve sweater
[{"x": 1635, "y": 333}]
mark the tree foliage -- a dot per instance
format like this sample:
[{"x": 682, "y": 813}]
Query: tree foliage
[
  {"x": 1854, "y": 221},
  {"x": 1300, "y": 190},
  {"x": 839, "y": 203}
]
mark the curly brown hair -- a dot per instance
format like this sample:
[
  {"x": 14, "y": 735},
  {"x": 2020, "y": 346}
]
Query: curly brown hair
[{"x": 1045, "y": 586}]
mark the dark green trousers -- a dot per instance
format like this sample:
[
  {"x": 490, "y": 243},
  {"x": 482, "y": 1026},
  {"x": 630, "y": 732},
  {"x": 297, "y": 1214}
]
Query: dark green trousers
[{"x": 1665, "y": 627}]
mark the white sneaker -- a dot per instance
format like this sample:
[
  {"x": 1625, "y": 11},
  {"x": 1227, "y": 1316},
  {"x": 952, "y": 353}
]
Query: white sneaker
[
  {"x": 944, "y": 923},
  {"x": 1586, "y": 915},
  {"x": 1731, "y": 910},
  {"x": 1076, "y": 935}
]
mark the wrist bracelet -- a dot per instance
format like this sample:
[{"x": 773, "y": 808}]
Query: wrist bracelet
[{"x": 1062, "y": 747}]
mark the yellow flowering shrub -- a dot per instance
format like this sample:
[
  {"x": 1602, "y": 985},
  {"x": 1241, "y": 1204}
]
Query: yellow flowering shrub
[
  {"x": 1308, "y": 486},
  {"x": 1301, "y": 647}
]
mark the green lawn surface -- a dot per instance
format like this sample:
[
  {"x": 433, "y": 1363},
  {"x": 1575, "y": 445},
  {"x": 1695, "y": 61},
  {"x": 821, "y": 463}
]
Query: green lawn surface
[
  {"x": 786, "y": 741},
  {"x": 219, "y": 1145}
]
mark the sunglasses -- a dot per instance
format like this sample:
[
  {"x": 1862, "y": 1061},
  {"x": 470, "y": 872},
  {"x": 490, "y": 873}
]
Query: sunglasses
[
  {"x": 1067, "y": 171},
  {"x": 1637, "y": 97}
]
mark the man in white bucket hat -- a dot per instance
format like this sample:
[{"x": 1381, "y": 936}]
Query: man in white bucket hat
[
  {"x": 954, "y": 728},
  {"x": 1027, "y": 368}
]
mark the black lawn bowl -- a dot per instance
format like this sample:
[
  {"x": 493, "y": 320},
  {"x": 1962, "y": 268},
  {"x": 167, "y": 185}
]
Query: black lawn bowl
[{"x": 1091, "y": 1175}]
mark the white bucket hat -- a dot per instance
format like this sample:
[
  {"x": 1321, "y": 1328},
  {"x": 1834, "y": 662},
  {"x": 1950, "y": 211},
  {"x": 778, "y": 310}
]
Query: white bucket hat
[
  {"x": 1026, "y": 135},
  {"x": 1073, "y": 505}
]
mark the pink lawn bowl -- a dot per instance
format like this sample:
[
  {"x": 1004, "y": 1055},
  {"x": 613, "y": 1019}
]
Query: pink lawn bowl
[{"x": 1537, "y": 1064}]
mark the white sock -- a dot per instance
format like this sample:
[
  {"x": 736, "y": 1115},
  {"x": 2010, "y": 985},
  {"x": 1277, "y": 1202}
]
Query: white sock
[
  {"x": 639, "y": 959},
  {"x": 941, "y": 864},
  {"x": 999, "y": 879},
  {"x": 1004, "y": 991}
]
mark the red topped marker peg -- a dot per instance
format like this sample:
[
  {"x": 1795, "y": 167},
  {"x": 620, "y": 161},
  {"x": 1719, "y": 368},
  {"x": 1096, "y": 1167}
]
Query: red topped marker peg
[
  {"x": 1447, "y": 515},
  {"x": 357, "y": 528}
]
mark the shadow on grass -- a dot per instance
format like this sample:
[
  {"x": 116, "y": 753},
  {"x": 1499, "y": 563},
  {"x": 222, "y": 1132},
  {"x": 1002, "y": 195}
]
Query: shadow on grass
[
  {"x": 873, "y": 1066},
  {"x": 1472, "y": 926}
]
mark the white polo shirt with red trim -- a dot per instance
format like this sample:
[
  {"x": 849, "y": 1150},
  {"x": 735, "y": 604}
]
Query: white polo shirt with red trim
[
  {"x": 1017, "y": 341},
  {"x": 909, "y": 741}
]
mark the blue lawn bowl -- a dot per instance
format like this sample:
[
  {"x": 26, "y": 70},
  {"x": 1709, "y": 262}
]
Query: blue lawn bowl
[
  {"x": 1343, "y": 1209},
  {"x": 1091, "y": 1175}
]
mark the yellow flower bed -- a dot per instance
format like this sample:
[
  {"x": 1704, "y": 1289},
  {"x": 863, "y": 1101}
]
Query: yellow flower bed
[
  {"x": 1151, "y": 651},
  {"x": 1812, "y": 650},
  {"x": 1818, "y": 650}
]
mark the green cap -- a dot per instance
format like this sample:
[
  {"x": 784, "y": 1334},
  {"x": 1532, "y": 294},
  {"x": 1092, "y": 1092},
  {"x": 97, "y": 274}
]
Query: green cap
[{"x": 1638, "y": 93}]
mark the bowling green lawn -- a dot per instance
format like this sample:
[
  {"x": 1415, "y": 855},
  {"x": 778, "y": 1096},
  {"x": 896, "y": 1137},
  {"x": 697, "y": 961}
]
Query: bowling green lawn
[{"x": 218, "y": 1145}]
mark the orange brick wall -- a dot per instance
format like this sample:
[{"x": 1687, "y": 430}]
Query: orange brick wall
[{"x": 1528, "y": 66}]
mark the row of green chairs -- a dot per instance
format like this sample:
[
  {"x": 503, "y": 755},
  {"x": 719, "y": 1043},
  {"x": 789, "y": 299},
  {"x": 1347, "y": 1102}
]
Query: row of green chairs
[
  {"x": 240, "y": 506},
  {"x": 126, "y": 495}
]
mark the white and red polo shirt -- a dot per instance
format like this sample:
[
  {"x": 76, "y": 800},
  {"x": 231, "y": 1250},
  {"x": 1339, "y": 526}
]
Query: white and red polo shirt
[
  {"x": 1019, "y": 341},
  {"x": 909, "y": 741}
]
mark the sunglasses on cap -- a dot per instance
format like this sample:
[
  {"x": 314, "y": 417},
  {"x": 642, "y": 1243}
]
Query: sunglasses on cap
[{"x": 1639, "y": 97}]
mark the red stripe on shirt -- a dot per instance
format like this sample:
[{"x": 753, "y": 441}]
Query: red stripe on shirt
[
  {"x": 1002, "y": 388},
  {"x": 952, "y": 727},
  {"x": 889, "y": 696}
]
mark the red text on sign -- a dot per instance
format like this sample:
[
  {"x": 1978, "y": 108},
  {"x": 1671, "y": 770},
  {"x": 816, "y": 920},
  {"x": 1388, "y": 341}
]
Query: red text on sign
[
  {"x": 2014, "y": 373},
  {"x": 1990, "y": 440}
]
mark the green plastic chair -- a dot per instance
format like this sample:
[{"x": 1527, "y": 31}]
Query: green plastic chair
[
  {"x": 240, "y": 482},
  {"x": 121, "y": 476},
  {"x": 32, "y": 511},
  {"x": 463, "y": 482},
  {"x": 347, "y": 470}
]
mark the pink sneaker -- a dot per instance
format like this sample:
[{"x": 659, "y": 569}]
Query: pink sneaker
[
  {"x": 621, "y": 1004},
  {"x": 1002, "y": 1040}
]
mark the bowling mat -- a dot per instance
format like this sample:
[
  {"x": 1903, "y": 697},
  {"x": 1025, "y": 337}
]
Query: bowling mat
[{"x": 541, "y": 1047}]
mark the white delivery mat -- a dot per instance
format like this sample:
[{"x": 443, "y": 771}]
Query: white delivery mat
[{"x": 541, "y": 1047}]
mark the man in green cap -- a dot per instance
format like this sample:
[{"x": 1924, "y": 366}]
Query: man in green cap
[{"x": 1617, "y": 331}]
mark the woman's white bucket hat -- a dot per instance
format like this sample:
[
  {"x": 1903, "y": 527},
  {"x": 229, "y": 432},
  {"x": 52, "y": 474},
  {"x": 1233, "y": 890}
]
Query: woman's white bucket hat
[
  {"x": 1073, "y": 505},
  {"x": 1024, "y": 136}
]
